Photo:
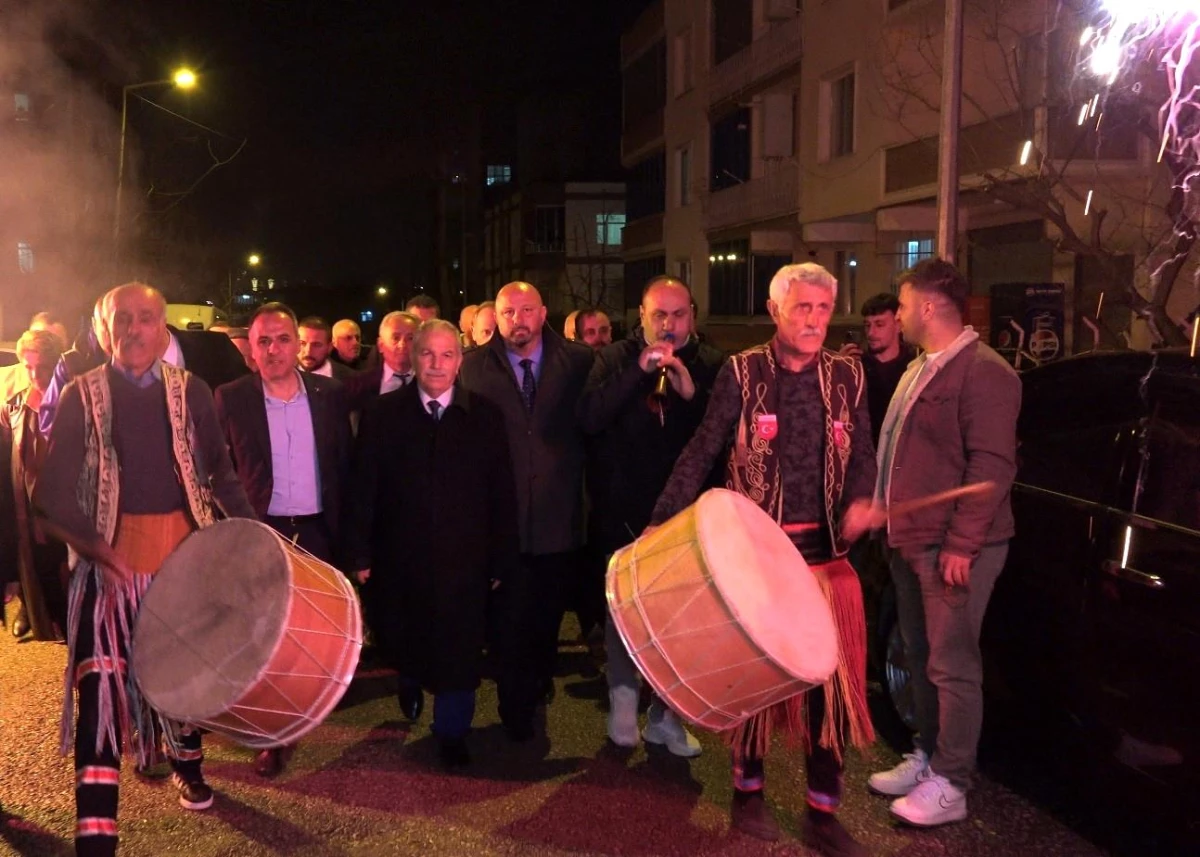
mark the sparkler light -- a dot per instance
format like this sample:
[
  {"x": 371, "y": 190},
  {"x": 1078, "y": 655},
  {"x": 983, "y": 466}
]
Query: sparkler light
[{"x": 1167, "y": 32}]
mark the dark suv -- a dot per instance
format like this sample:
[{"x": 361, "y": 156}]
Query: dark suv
[{"x": 1095, "y": 623}]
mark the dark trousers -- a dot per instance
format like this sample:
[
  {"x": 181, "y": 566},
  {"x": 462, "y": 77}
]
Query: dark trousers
[
  {"x": 97, "y": 771},
  {"x": 308, "y": 531},
  {"x": 453, "y": 710},
  {"x": 823, "y": 771},
  {"x": 532, "y": 601},
  {"x": 586, "y": 591}
]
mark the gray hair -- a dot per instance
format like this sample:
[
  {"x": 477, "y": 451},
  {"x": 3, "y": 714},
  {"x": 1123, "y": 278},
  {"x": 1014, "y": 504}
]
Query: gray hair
[
  {"x": 809, "y": 273},
  {"x": 436, "y": 325},
  {"x": 397, "y": 316}
]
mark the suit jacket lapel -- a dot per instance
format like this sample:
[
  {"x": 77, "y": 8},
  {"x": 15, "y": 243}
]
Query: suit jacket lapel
[{"x": 318, "y": 409}]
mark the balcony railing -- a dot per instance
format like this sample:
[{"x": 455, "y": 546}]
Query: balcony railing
[
  {"x": 645, "y": 133},
  {"x": 544, "y": 246},
  {"x": 774, "y": 51},
  {"x": 775, "y": 194}
]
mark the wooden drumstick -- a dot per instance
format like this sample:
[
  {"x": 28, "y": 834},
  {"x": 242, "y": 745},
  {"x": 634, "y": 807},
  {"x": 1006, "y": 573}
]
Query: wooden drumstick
[{"x": 909, "y": 506}]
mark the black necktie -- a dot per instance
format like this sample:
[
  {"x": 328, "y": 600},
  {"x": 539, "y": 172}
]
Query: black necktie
[
  {"x": 435, "y": 408},
  {"x": 528, "y": 385}
]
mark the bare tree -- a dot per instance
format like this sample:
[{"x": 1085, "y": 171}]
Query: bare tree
[
  {"x": 587, "y": 285},
  {"x": 1023, "y": 74}
]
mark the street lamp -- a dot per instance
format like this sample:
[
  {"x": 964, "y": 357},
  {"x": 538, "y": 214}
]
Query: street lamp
[
  {"x": 183, "y": 78},
  {"x": 253, "y": 260},
  {"x": 382, "y": 291}
]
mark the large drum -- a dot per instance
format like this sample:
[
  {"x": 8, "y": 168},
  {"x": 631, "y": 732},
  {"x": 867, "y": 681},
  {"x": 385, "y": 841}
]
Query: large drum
[
  {"x": 720, "y": 612},
  {"x": 244, "y": 634}
]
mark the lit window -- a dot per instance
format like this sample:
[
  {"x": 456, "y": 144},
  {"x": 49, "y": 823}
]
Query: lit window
[
  {"x": 609, "y": 228},
  {"x": 366, "y": 315},
  {"x": 498, "y": 174},
  {"x": 909, "y": 253},
  {"x": 24, "y": 257}
]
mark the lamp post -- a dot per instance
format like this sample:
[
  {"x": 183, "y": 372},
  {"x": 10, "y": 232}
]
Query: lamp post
[
  {"x": 184, "y": 79},
  {"x": 252, "y": 261}
]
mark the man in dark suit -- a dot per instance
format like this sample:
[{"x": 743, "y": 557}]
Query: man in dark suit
[
  {"x": 394, "y": 369},
  {"x": 432, "y": 523},
  {"x": 348, "y": 348},
  {"x": 289, "y": 438},
  {"x": 316, "y": 343},
  {"x": 536, "y": 378}
]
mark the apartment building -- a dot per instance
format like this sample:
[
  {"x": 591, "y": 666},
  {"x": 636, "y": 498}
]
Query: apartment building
[
  {"x": 758, "y": 133},
  {"x": 564, "y": 238}
]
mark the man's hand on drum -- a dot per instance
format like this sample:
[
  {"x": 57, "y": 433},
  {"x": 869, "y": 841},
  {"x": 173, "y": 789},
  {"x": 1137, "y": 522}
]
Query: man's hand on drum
[
  {"x": 955, "y": 569},
  {"x": 362, "y": 575},
  {"x": 861, "y": 517}
]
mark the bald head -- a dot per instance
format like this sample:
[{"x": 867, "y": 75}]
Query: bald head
[
  {"x": 137, "y": 323},
  {"x": 520, "y": 315},
  {"x": 569, "y": 324}
]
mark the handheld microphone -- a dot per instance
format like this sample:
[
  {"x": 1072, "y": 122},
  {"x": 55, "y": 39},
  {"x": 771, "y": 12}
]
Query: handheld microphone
[{"x": 664, "y": 381}]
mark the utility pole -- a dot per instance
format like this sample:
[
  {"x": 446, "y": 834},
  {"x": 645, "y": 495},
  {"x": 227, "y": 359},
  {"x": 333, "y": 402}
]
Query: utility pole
[{"x": 947, "y": 205}]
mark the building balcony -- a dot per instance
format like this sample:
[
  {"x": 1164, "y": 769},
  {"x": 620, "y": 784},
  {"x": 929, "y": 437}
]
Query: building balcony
[
  {"x": 641, "y": 137},
  {"x": 544, "y": 247},
  {"x": 774, "y": 52},
  {"x": 776, "y": 194},
  {"x": 643, "y": 233}
]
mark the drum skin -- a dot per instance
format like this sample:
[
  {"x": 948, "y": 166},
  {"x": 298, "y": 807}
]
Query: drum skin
[
  {"x": 243, "y": 634},
  {"x": 720, "y": 613}
]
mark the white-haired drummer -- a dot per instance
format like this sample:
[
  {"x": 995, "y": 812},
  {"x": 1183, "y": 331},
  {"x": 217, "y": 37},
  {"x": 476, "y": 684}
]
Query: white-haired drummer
[{"x": 794, "y": 418}]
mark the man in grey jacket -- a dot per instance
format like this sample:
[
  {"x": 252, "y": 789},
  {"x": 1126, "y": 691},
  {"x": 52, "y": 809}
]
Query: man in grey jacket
[{"x": 952, "y": 422}]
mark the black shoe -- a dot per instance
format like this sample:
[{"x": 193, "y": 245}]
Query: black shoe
[
  {"x": 453, "y": 753},
  {"x": 752, "y": 816},
  {"x": 194, "y": 793},
  {"x": 270, "y": 763},
  {"x": 412, "y": 702},
  {"x": 823, "y": 833}
]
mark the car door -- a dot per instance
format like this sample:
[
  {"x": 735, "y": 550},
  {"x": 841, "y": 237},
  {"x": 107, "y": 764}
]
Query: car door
[
  {"x": 1143, "y": 607},
  {"x": 1070, "y": 437}
]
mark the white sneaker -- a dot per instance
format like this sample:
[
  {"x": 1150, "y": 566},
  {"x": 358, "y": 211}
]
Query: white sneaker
[
  {"x": 935, "y": 801},
  {"x": 664, "y": 728},
  {"x": 623, "y": 716},
  {"x": 903, "y": 778}
]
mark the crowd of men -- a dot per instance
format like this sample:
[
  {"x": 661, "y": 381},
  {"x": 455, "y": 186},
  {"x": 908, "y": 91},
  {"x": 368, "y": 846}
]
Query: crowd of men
[{"x": 524, "y": 458}]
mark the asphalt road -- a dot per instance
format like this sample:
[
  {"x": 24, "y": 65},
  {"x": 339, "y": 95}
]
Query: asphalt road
[{"x": 364, "y": 783}]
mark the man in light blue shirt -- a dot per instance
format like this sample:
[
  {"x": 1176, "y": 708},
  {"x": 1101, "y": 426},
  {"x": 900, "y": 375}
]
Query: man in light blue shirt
[{"x": 289, "y": 437}]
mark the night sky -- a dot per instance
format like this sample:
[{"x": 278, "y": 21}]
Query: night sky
[{"x": 340, "y": 103}]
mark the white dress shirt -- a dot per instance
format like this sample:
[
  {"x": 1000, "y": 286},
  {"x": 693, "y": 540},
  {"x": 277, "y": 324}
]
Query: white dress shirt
[
  {"x": 325, "y": 369},
  {"x": 173, "y": 355},
  {"x": 391, "y": 381}
]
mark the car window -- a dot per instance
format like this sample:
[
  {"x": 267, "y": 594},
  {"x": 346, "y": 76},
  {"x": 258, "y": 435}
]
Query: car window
[
  {"x": 1079, "y": 461},
  {"x": 1170, "y": 478}
]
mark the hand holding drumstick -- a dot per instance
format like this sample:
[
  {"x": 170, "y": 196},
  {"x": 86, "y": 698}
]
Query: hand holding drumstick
[{"x": 866, "y": 515}]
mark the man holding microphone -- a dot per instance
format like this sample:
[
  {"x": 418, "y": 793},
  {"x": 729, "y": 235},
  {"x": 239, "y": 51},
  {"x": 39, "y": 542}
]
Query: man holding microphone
[{"x": 644, "y": 399}]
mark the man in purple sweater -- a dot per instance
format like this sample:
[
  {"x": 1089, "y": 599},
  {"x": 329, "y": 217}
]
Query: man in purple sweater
[{"x": 136, "y": 462}]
